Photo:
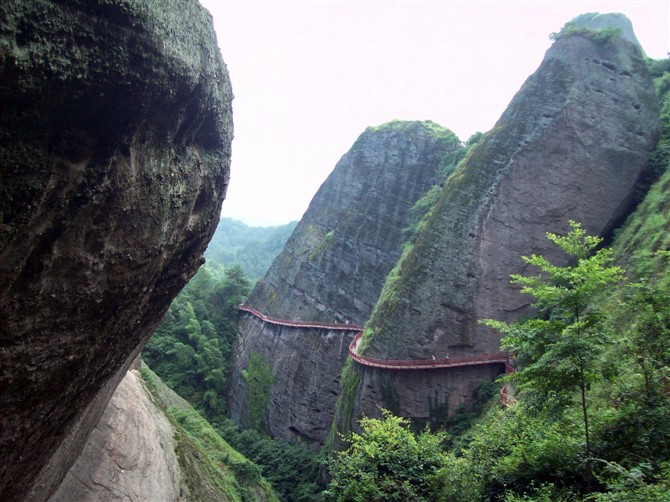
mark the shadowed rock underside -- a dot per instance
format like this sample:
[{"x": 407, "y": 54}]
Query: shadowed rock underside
[{"x": 115, "y": 131}]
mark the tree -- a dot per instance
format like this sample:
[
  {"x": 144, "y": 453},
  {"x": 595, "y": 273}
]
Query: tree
[
  {"x": 259, "y": 379},
  {"x": 386, "y": 462},
  {"x": 561, "y": 351},
  {"x": 189, "y": 348}
]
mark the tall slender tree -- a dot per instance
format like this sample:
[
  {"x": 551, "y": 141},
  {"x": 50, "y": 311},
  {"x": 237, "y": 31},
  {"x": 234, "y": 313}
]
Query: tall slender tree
[{"x": 560, "y": 352}]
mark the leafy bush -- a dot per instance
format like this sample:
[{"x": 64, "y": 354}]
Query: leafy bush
[
  {"x": 601, "y": 37},
  {"x": 292, "y": 471},
  {"x": 258, "y": 377},
  {"x": 386, "y": 462}
]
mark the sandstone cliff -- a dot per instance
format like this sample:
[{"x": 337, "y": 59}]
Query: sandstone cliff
[
  {"x": 571, "y": 145},
  {"x": 130, "y": 454},
  {"x": 138, "y": 451},
  {"x": 351, "y": 234},
  {"x": 115, "y": 130},
  {"x": 332, "y": 269}
]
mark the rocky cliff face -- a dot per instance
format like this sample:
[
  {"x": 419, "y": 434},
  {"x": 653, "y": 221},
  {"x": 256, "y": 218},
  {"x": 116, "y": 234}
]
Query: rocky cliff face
[
  {"x": 130, "y": 455},
  {"x": 351, "y": 235},
  {"x": 332, "y": 269},
  {"x": 571, "y": 145},
  {"x": 137, "y": 451},
  {"x": 115, "y": 130}
]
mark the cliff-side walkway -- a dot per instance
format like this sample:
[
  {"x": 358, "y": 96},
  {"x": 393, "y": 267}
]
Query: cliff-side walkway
[{"x": 393, "y": 364}]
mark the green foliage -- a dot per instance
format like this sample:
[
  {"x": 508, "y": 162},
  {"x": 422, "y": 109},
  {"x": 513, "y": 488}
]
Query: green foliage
[
  {"x": 599, "y": 36},
  {"x": 638, "y": 484},
  {"x": 259, "y": 379},
  {"x": 474, "y": 139},
  {"x": 420, "y": 210},
  {"x": 344, "y": 406},
  {"x": 292, "y": 471},
  {"x": 536, "y": 450},
  {"x": 227, "y": 468},
  {"x": 648, "y": 229},
  {"x": 607, "y": 337},
  {"x": 460, "y": 423},
  {"x": 638, "y": 420},
  {"x": 513, "y": 453},
  {"x": 386, "y": 462},
  {"x": 189, "y": 348},
  {"x": 658, "y": 68},
  {"x": 458, "y": 480},
  {"x": 563, "y": 351},
  {"x": 544, "y": 492},
  {"x": 659, "y": 160},
  {"x": 237, "y": 478}
]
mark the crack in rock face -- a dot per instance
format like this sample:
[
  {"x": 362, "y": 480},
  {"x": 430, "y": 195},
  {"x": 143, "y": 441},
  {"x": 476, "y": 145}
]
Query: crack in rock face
[{"x": 115, "y": 132}]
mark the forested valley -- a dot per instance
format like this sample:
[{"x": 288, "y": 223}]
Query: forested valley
[{"x": 190, "y": 349}]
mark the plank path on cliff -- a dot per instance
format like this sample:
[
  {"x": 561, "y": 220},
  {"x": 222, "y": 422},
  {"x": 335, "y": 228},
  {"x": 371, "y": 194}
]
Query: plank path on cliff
[{"x": 393, "y": 364}]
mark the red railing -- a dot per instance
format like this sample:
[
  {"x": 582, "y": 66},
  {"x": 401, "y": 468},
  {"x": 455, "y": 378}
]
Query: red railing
[
  {"x": 300, "y": 324},
  {"x": 395, "y": 364},
  {"x": 412, "y": 364}
]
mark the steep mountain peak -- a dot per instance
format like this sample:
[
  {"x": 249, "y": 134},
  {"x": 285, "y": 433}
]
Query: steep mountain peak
[
  {"x": 571, "y": 145},
  {"x": 332, "y": 269},
  {"x": 339, "y": 254}
]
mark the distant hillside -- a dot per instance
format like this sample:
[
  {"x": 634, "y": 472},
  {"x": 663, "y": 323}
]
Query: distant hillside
[{"x": 253, "y": 248}]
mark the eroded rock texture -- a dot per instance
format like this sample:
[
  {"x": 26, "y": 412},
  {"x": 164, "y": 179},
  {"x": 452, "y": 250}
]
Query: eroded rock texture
[
  {"x": 335, "y": 261},
  {"x": 332, "y": 269},
  {"x": 130, "y": 455},
  {"x": 137, "y": 453},
  {"x": 115, "y": 130},
  {"x": 571, "y": 145}
]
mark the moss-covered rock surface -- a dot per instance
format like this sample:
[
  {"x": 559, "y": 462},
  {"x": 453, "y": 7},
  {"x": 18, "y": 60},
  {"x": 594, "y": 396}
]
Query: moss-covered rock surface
[{"x": 115, "y": 131}]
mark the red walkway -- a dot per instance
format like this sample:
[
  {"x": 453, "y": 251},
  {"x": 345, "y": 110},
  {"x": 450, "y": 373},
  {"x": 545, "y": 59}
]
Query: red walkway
[
  {"x": 394, "y": 364},
  {"x": 300, "y": 324},
  {"x": 424, "y": 364}
]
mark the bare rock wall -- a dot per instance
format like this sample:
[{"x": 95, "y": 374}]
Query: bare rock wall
[
  {"x": 115, "y": 131},
  {"x": 332, "y": 269}
]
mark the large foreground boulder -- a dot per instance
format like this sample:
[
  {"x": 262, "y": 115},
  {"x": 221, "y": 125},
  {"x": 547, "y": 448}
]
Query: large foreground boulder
[{"x": 115, "y": 131}]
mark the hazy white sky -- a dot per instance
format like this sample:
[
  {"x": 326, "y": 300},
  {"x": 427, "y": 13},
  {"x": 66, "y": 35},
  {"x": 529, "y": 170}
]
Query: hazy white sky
[{"x": 310, "y": 76}]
